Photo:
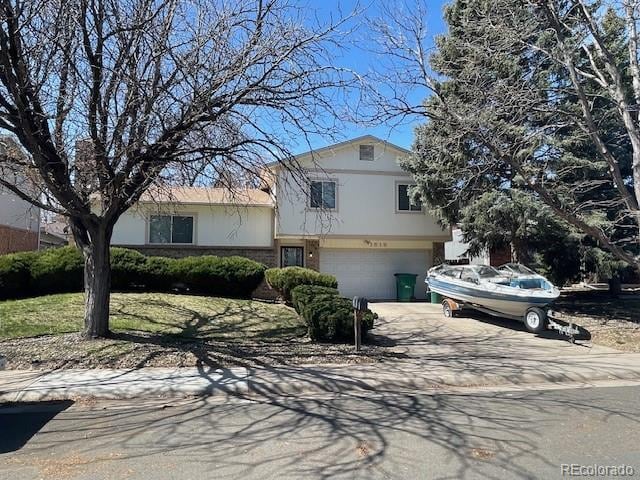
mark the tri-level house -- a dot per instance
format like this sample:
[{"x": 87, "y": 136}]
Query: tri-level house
[{"x": 353, "y": 219}]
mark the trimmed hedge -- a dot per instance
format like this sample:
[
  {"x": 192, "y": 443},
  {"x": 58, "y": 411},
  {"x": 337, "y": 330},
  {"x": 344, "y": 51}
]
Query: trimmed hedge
[
  {"x": 303, "y": 294},
  {"x": 62, "y": 269},
  {"x": 284, "y": 280},
  {"x": 57, "y": 270},
  {"x": 329, "y": 316},
  {"x": 330, "y": 319},
  {"x": 229, "y": 276},
  {"x": 159, "y": 274},
  {"x": 15, "y": 274},
  {"x": 128, "y": 268}
]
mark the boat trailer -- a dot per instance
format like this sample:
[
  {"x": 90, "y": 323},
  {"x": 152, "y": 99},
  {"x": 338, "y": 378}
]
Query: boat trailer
[
  {"x": 564, "y": 328},
  {"x": 568, "y": 329}
]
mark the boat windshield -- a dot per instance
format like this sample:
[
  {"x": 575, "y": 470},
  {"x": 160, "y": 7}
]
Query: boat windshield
[
  {"x": 517, "y": 268},
  {"x": 487, "y": 272}
]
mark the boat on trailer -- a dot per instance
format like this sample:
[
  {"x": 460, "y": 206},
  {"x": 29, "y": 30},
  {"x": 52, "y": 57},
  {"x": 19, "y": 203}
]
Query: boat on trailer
[{"x": 511, "y": 290}]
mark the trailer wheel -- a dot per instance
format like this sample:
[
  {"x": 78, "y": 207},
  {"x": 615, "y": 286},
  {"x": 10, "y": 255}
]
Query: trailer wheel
[
  {"x": 535, "y": 320},
  {"x": 447, "y": 311}
]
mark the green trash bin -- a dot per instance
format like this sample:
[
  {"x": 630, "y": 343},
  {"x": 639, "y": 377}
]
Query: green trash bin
[
  {"x": 405, "y": 285},
  {"x": 436, "y": 297}
]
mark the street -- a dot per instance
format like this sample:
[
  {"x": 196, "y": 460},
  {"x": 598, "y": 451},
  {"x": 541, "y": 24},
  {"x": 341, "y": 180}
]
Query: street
[{"x": 509, "y": 433}]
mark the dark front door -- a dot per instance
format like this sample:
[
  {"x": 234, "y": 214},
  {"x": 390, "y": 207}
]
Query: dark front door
[{"x": 292, "y": 256}]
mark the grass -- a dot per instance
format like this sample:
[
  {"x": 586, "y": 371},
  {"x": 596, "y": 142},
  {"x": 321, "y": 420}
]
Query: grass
[
  {"x": 163, "y": 330},
  {"x": 182, "y": 316}
]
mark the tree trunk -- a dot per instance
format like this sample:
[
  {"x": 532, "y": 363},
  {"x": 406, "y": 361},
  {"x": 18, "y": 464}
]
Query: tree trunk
[{"x": 97, "y": 285}]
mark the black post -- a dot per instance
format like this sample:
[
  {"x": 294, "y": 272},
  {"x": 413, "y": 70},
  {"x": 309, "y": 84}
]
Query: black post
[
  {"x": 357, "y": 328},
  {"x": 359, "y": 305}
]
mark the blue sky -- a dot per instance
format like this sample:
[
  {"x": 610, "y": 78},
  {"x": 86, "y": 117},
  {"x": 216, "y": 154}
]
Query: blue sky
[{"x": 361, "y": 60}]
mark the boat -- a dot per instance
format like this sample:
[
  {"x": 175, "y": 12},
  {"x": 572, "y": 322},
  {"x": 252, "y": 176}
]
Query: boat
[{"x": 511, "y": 290}]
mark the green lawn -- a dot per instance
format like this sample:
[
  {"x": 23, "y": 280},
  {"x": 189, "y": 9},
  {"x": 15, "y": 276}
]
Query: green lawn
[{"x": 184, "y": 316}]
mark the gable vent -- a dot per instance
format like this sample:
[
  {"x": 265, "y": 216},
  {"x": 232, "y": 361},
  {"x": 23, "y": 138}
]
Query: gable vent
[{"x": 366, "y": 153}]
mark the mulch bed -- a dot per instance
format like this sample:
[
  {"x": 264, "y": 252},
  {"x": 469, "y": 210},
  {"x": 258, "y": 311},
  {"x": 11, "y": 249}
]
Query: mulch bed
[{"x": 141, "y": 349}]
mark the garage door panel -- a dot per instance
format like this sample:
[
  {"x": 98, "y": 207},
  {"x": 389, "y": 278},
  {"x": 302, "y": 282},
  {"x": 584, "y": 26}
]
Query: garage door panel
[{"x": 369, "y": 273}]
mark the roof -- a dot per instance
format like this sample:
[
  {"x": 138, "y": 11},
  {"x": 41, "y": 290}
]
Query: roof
[
  {"x": 209, "y": 196},
  {"x": 370, "y": 138}
]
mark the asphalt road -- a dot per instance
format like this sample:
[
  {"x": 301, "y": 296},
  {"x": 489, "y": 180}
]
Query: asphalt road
[{"x": 470, "y": 434}]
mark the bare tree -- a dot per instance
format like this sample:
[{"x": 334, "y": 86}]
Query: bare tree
[
  {"x": 542, "y": 95},
  {"x": 110, "y": 97}
]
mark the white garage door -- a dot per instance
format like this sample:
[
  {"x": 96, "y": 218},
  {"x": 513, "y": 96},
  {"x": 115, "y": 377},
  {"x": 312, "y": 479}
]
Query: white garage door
[{"x": 369, "y": 273}]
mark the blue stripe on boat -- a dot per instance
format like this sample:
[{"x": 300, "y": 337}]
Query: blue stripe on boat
[{"x": 472, "y": 292}]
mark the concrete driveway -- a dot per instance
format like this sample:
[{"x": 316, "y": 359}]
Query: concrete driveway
[{"x": 485, "y": 346}]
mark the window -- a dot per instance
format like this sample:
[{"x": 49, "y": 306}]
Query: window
[
  {"x": 405, "y": 204},
  {"x": 292, "y": 257},
  {"x": 366, "y": 153},
  {"x": 323, "y": 195},
  {"x": 452, "y": 272},
  {"x": 468, "y": 276},
  {"x": 171, "y": 229}
]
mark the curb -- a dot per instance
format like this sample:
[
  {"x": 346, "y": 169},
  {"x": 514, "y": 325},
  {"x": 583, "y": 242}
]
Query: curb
[{"x": 55, "y": 386}]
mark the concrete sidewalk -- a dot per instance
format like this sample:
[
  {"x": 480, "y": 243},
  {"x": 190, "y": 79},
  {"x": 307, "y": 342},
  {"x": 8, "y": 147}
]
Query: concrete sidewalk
[
  {"x": 142, "y": 383},
  {"x": 431, "y": 352}
]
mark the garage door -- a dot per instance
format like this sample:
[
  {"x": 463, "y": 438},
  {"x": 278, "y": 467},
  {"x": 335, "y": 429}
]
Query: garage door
[{"x": 369, "y": 273}]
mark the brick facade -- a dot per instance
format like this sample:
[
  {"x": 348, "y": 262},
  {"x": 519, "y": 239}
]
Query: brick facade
[
  {"x": 312, "y": 254},
  {"x": 499, "y": 257},
  {"x": 259, "y": 254},
  {"x": 262, "y": 255},
  {"x": 438, "y": 253},
  {"x": 17, "y": 240}
]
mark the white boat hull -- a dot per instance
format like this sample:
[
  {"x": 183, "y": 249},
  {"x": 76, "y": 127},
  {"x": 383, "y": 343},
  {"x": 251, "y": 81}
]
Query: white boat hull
[{"x": 503, "y": 300}]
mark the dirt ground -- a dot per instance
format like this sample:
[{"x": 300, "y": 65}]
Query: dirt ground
[{"x": 613, "y": 322}]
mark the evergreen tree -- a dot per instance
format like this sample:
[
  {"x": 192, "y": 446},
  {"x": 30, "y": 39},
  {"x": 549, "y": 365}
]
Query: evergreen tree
[{"x": 538, "y": 97}]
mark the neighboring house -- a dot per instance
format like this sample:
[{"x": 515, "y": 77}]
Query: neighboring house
[
  {"x": 19, "y": 222},
  {"x": 54, "y": 232},
  {"x": 353, "y": 220},
  {"x": 456, "y": 251}
]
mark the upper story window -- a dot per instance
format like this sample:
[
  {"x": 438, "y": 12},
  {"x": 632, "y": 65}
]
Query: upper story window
[
  {"x": 171, "y": 229},
  {"x": 323, "y": 194},
  {"x": 366, "y": 153},
  {"x": 405, "y": 203}
]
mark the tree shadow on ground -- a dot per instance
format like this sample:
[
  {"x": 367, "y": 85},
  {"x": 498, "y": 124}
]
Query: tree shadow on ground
[
  {"x": 600, "y": 306},
  {"x": 517, "y": 326},
  {"x": 242, "y": 335},
  {"x": 380, "y": 434}
]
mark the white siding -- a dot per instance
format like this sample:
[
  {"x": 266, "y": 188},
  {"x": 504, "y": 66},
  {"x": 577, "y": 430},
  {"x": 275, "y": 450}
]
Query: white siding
[
  {"x": 456, "y": 249},
  {"x": 347, "y": 157},
  {"x": 366, "y": 198},
  {"x": 17, "y": 213},
  {"x": 130, "y": 228},
  {"x": 217, "y": 226}
]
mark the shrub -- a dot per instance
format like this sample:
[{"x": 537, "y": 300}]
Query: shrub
[
  {"x": 302, "y": 295},
  {"x": 15, "y": 274},
  {"x": 228, "y": 276},
  {"x": 127, "y": 268},
  {"x": 330, "y": 318},
  {"x": 283, "y": 280},
  {"x": 158, "y": 274},
  {"x": 57, "y": 270},
  {"x": 61, "y": 270}
]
